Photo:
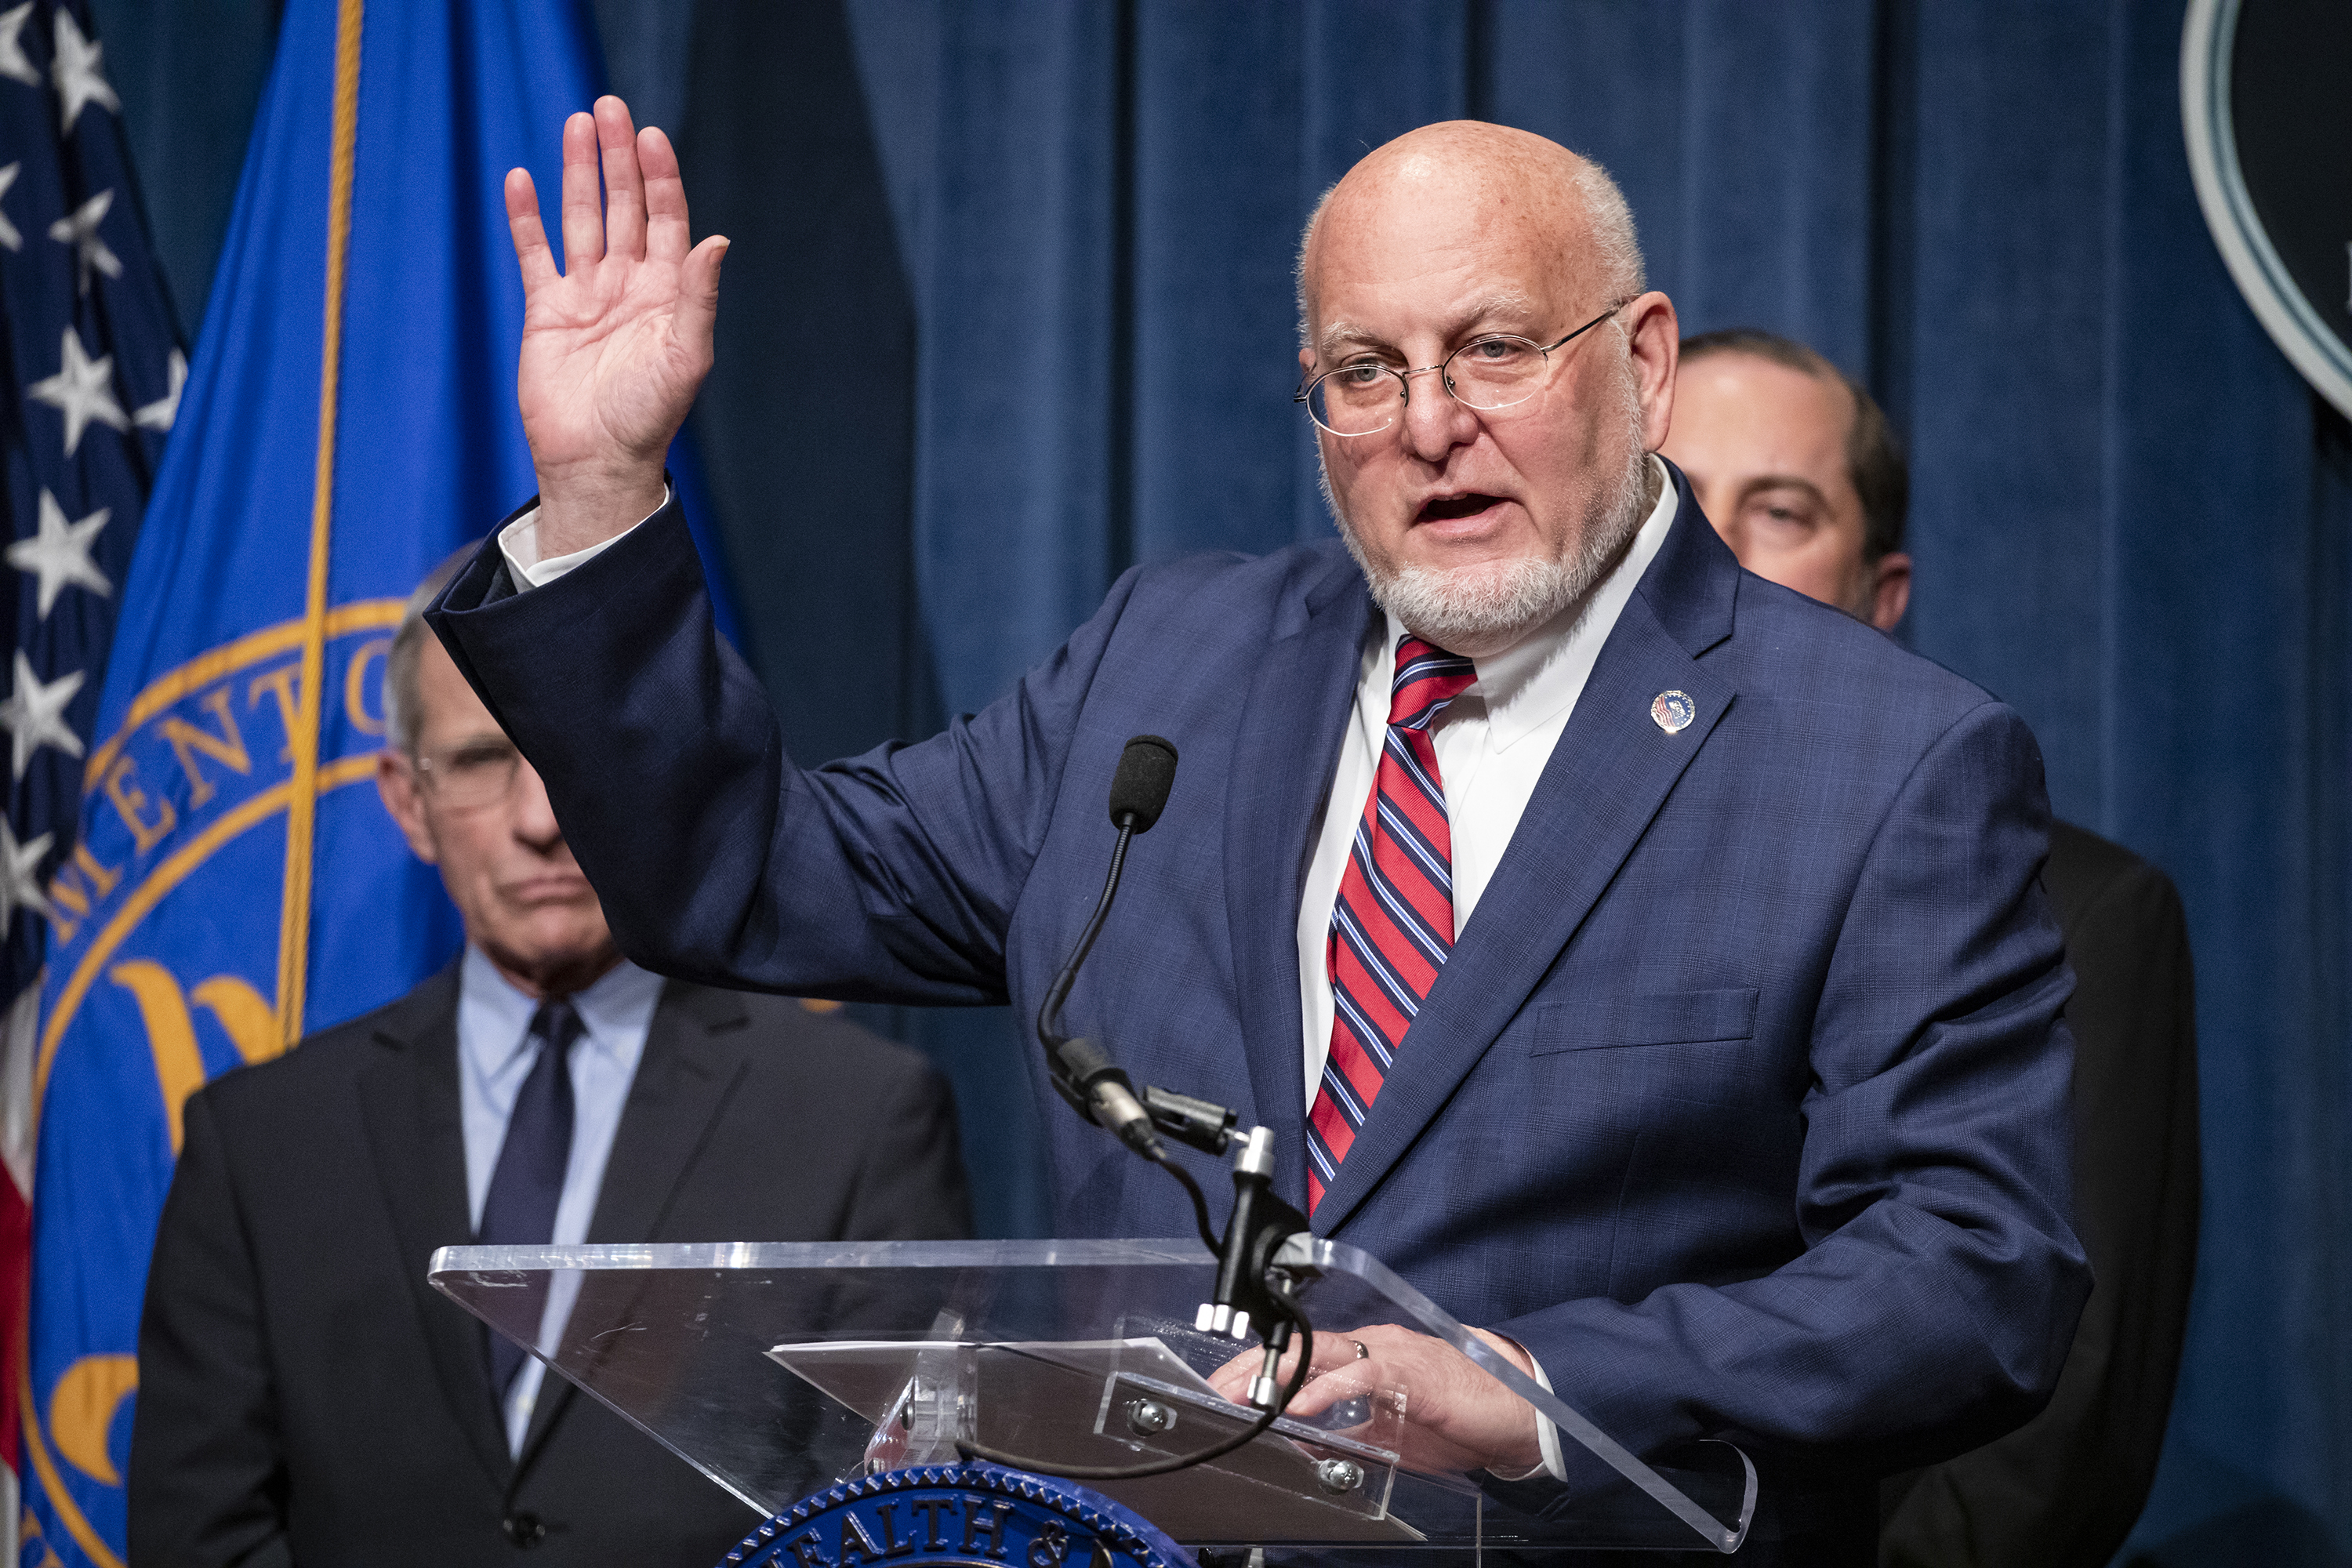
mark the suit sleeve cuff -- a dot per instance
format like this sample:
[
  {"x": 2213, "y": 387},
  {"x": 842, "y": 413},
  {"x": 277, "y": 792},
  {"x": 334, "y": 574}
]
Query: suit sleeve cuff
[{"x": 518, "y": 543}]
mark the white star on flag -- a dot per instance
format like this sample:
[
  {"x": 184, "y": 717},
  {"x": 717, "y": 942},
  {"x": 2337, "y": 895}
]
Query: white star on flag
[
  {"x": 8, "y": 234},
  {"x": 20, "y": 879},
  {"x": 159, "y": 415},
  {"x": 75, "y": 70},
  {"x": 13, "y": 63},
  {"x": 82, "y": 390},
  {"x": 61, "y": 552},
  {"x": 35, "y": 714},
  {"x": 78, "y": 228}
]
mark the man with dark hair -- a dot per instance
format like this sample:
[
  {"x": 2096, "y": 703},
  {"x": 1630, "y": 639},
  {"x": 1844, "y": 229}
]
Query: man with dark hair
[
  {"x": 304, "y": 1395},
  {"x": 1797, "y": 469},
  {"x": 1843, "y": 545}
]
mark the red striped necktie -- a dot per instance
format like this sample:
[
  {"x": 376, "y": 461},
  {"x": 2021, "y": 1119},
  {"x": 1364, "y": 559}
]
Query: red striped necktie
[{"x": 1393, "y": 923}]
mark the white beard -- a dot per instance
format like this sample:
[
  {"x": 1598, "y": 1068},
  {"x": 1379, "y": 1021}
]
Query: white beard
[{"x": 1468, "y": 605}]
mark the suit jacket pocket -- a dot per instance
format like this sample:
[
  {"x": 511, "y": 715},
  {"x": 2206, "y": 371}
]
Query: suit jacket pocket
[{"x": 1679, "y": 1017}]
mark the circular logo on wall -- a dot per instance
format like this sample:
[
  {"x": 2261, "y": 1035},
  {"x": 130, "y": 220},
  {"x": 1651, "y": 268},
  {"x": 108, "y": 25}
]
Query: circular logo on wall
[
  {"x": 2269, "y": 122},
  {"x": 975, "y": 1514}
]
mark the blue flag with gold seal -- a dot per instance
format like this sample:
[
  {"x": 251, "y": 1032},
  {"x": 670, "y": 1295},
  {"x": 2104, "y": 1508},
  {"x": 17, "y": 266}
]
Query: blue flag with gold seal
[{"x": 348, "y": 421}]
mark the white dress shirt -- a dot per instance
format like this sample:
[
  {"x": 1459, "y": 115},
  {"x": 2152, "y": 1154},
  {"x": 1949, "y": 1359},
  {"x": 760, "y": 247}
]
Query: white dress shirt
[{"x": 494, "y": 1054}]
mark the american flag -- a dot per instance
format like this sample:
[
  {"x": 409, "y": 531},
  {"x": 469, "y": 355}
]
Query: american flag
[{"x": 94, "y": 370}]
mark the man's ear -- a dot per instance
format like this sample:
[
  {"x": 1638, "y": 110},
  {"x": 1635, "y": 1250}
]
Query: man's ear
[
  {"x": 1890, "y": 591},
  {"x": 396, "y": 782},
  {"x": 1653, "y": 339}
]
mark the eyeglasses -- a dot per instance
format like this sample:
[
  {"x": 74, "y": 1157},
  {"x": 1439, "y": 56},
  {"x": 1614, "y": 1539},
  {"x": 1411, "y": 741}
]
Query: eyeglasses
[
  {"x": 1363, "y": 397},
  {"x": 470, "y": 776}
]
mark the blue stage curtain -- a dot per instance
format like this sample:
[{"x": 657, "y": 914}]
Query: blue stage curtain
[{"x": 1011, "y": 309}]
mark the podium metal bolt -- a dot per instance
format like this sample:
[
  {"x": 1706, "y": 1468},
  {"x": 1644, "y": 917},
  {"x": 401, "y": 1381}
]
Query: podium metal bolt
[
  {"x": 1149, "y": 1417},
  {"x": 1339, "y": 1476}
]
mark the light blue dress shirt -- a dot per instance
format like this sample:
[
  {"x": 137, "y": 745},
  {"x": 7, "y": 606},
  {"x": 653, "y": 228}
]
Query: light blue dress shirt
[{"x": 493, "y": 1056}]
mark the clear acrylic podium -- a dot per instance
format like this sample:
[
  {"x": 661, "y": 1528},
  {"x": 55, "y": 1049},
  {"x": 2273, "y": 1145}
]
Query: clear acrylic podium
[{"x": 778, "y": 1369}]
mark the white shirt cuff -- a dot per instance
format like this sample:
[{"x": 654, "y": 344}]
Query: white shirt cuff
[
  {"x": 518, "y": 543},
  {"x": 1547, "y": 1434}
]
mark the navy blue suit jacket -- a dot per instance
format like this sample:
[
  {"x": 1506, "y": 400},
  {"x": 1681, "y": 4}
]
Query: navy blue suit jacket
[{"x": 1741, "y": 1102}]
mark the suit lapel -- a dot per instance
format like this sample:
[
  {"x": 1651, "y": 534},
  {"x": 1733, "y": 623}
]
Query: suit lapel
[
  {"x": 694, "y": 1056},
  {"x": 1609, "y": 771},
  {"x": 693, "y": 1060},
  {"x": 1293, "y": 719},
  {"x": 408, "y": 1098}
]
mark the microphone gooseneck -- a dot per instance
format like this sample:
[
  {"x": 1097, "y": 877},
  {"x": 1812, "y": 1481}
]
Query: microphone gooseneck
[
  {"x": 1251, "y": 1288},
  {"x": 1095, "y": 1085}
]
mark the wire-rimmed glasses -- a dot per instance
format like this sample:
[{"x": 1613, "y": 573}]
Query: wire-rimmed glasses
[
  {"x": 1493, "y": 371},
  {"x": 470, "y": 774}
]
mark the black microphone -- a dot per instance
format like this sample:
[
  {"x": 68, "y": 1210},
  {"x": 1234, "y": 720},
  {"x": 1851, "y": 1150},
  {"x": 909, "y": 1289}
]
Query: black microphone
[
  {"x": 1096, "y": 1086},
  {"x": 1139, "y": 791}
]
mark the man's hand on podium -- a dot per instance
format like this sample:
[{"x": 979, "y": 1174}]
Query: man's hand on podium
[
  {"x": 616, "y": 346},
  {"x": 1457, "y": 1418}
]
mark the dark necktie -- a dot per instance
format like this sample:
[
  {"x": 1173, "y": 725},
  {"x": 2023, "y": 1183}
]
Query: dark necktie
[
  {"x": 527, "y": 1184},
  {"x": 1392, "y": 925}
]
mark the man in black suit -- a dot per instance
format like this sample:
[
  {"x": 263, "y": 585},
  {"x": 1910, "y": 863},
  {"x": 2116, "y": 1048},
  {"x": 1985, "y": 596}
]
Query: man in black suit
[
  {"x": 305, "y": 1395},
  {"x": 1796, "y": 467}
]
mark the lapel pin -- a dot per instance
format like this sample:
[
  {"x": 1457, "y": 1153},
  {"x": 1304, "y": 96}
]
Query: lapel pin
[{"x": 1674, "y": 711}]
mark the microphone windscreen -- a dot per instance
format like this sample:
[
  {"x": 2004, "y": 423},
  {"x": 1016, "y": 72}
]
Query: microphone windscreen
[{"x": 1147, "y": 770}]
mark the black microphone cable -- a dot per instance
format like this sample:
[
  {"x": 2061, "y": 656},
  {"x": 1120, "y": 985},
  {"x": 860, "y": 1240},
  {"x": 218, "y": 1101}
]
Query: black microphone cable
[{"x": 1291, "y": 1312}]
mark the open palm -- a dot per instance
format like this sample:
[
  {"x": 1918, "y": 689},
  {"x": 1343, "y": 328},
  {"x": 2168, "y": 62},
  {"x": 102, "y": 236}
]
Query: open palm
[{"x": 615, "y": 346}]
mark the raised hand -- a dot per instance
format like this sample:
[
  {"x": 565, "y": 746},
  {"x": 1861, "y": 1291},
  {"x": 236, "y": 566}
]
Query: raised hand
[{"x": 614, "y": 347}]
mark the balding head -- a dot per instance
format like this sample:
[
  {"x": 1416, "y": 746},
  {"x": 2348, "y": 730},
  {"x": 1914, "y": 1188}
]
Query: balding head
[
  {"x": 1477, "y": 523},
  {"x": 1567, "y": 206}
]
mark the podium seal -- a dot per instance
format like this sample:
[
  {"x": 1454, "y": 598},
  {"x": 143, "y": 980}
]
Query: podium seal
[{"x": 976, "y": 1514}]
